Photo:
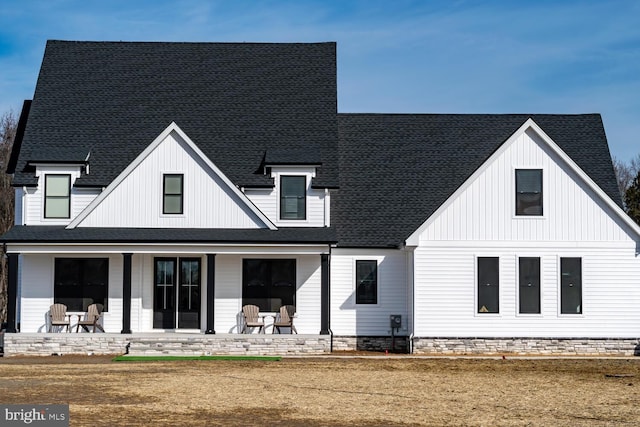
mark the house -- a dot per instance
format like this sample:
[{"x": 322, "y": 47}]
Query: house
[{"x": 176, "y": 182}]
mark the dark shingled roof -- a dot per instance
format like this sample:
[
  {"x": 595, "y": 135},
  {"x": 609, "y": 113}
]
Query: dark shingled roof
[
  {"x": 397, "y": 169},
  {"x": 50, "y": 234},
  {"x": 234, "y": 100},
  {"x": 248, "y": 105}
]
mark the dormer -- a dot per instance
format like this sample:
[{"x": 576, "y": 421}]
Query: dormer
[
  {"x": 292, "y": 201},
  {"x": 53, "y": 197}
]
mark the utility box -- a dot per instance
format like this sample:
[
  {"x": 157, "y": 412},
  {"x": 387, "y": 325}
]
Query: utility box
[{"x": 395, "y": 321}]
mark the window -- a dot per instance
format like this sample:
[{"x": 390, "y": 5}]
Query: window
[
  {"x": 488, "y": 285},
  {"x": 80, "y": 282},
  {"x": 529, "y": 192},
  {"x": 293, "y": 190},
  {"x": 172, "y": 194},
  {"x": 529, "y": 271},
  {"x": 571, "y": 285},
  {"x": 57, "y": 199},
  {"x": 269, "y": 283},
  {"x": 366, "y": 282}
]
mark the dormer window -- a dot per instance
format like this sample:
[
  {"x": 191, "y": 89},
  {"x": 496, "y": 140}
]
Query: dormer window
[
  {"x": 57, "y": 196},
  {"x": 293, "y": 192},
  {"x": 172, "y": 190},
  {"x": 529, "y": 192}
]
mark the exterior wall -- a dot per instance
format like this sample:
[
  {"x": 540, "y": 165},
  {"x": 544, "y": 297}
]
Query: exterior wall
[
  {"x": 37, "y": 275},
  {"x": 446, "y": 293},
  {"x": 268, "y": 200},
  {"x": 228, "y": 303},
  {"x": 228, "y": 288},
  {"x": 137, "y": 200},
  {"x": 349, "y": 318},
  {"x": 480, "y": 221}
]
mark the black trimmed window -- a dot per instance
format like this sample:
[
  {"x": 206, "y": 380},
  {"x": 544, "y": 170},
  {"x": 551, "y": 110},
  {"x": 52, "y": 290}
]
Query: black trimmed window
[
  {"x": 571, "y": 285},
  {"x": 529, "y": 292},
  {"x": 57, "y": 196},
  {"x": 172, "y": 191},
  {"x": 366, "y": 282},
  {"x": 269, "y": 283},
  {"x": 488, "y": 285},
  {"x": 529, "y": 192},
  {"x": 293, "y": 200},
  {"x": 80, "y": 282}
]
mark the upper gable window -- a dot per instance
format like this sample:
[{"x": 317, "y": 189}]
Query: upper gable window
[
  {"x": 293, "y": 191},
  {"x": 172, "y": 189},
  {"x": 57, "y": 196},
  {"x": 529, "y": 192}
]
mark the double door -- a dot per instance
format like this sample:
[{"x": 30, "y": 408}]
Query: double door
[{"x": 176, "y": 293}]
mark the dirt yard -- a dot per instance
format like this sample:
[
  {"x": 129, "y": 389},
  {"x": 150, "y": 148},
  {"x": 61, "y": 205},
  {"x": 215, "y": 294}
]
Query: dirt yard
[{"x": 331, "y": 391}]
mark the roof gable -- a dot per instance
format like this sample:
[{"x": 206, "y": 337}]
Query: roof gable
[
  {"x": 398, "y": 169},
  {"x": 615, "y": 211},
  {"x": 143, "y": 185}
]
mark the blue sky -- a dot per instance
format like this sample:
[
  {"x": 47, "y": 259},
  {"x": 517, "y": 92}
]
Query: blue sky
[{"x": 393, "y": 56}]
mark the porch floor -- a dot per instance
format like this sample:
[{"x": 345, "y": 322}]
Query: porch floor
[{"x": 175, "y": 344}]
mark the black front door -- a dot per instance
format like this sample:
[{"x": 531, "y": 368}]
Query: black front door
[{"x": 176, "y": 293}]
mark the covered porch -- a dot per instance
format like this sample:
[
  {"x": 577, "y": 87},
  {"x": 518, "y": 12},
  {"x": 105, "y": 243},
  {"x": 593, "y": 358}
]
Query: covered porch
[{"x": 195, "y": 287}]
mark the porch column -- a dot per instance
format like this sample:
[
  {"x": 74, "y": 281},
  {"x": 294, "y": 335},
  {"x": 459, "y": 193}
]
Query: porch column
[
  {"x": 211, "y": 292},
  {"x": 126, "y": 294},
  {"x": 324, "y": 294},
  {"x": 12, "y": 293}
]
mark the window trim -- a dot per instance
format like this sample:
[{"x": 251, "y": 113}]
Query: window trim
[
  {"x": 476, "y": 282},
  {"x": 165, "y": 194},
  {"x": 280, "y": 197},
  {"x": 543, "y": 190},
  {"x": 560, "y": 312},
  {"x": 46, "y": 197},
  {"x": 540, "y": 285},
  {"x": 355, "y": 281}
]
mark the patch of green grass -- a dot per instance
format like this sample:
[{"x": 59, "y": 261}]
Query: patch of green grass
[{"x": 125, "y": 358}]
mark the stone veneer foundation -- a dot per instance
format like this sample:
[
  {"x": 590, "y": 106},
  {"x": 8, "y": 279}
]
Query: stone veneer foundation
[
  {"x": 370, "y": 343},
  {"x": 46, "y": 344},
  {"x": 529, "y": 346},
  {"x": 231, "y": 344}
]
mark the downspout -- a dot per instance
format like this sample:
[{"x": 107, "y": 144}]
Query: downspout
[{"x": 411, "y": 270}]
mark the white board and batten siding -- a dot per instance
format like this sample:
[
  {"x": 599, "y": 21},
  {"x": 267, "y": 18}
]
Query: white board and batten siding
[
  {"x": 37, "y": 278},
  {"x": 349, "y": 318},
  {"x": 208, "y": 202},
  {"x": 480, "y": 221}
]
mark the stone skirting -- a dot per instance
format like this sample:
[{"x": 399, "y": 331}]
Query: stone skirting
[
  {"x": 528, "y": 346},
  {"x": 370, "y": 343},
  {"x": 46, "y": 344}
]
